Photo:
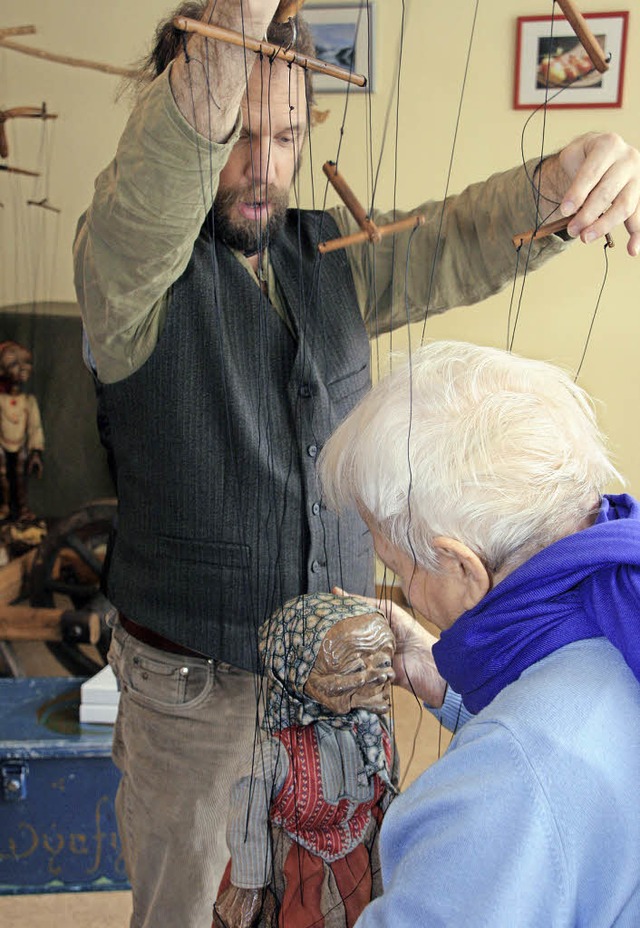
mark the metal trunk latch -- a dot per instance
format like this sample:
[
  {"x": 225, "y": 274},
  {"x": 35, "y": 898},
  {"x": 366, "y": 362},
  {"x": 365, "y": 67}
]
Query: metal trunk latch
[{"x": 14, "y": 780}]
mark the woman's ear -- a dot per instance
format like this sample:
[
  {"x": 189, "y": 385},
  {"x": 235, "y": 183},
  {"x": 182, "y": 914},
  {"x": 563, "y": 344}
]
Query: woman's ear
[{"x": 464, "y": 567}]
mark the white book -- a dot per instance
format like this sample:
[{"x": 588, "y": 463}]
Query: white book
[
  {"x": 104, "y": 715},
  {"x": 101, "y": 689}
]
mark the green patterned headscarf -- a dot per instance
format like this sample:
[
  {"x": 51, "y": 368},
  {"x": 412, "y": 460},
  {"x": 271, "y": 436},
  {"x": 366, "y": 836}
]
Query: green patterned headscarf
[{"x": 289, "y": 643}]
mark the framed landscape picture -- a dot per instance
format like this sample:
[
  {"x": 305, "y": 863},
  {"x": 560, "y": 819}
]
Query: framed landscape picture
[{"x": 343, "y": 34}]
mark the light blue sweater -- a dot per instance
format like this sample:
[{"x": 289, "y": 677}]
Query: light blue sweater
[{"x": 532, "y": 817}]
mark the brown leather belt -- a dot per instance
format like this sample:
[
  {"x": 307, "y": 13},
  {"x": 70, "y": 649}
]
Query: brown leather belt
[{"x": 146, "y": 636}]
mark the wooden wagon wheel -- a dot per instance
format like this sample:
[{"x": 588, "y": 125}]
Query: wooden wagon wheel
[{"x": 69, "y": 565}]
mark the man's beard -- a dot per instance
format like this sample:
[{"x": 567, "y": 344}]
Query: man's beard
[{"x": 247, "y": 235}]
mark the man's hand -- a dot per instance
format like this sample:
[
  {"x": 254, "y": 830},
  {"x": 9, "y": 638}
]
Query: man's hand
[
  {"x": 597, "y": 177},
  {"x": 209, "y": 83},
  {"x": 413, "y": 661}
]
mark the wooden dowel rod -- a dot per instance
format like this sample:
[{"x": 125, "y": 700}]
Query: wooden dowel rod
[
  {"x": 550, "y": 228},
  {"x": 268, "y": 49},
  {"x": 581, "y": 28},
  {"x": 558, "y": 225},
  {"x": 40, "y": 114},
  {"x": 10, "y": 170},
  {"x": 17, "y": 30},
  {"x": 64, "y": 59},
  {"x": 44, "y": 204},
  {"x": 334, "y": 244},
  {"x": 350, "y": 200},
  {"x": 26, "y": 112},
  {"x": 411, "y": 222}
]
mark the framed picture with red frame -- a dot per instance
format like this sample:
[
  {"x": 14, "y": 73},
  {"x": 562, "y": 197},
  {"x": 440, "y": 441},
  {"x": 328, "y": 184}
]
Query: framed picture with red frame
[{"x": 553, "y": 69}]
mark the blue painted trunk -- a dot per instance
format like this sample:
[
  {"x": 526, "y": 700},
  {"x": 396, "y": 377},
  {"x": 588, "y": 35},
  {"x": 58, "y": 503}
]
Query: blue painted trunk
[{"x": 57, "y": 817}]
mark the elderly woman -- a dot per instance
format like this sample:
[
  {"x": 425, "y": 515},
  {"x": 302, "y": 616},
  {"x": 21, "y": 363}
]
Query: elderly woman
[{"x": 481, "y": 476}]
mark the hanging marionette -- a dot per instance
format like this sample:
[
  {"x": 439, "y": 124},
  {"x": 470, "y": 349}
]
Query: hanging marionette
[
  {"x": 305, "y": 818},
  {"x": 21, "y": 435}
]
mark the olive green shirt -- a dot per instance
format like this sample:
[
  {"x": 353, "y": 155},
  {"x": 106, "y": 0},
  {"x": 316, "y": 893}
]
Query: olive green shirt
[{"x": 137, "y": 236}]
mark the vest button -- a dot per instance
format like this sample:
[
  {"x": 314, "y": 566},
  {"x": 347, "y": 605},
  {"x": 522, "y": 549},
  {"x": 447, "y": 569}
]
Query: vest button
[
  {"x": 315, "y": 509},
  {"x": 312, "y": 450},
  {"x": 316, "y": 567},
  {"x": 305, "y": 390}
]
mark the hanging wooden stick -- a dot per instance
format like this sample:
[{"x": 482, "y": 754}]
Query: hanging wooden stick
[
  {"x": 370, "y": 231},
  {"x": 349, "y": 199},
  {"x": 16, "y": 30},
  {"x": 64, "y": 59},
  {"x": 587, "y": 39},
  {"x": 44, "y": 203},
  {"x": 268, "y": 49},
  {"x": 28, "y": 112},
  {"x": 10, "y": 170}
]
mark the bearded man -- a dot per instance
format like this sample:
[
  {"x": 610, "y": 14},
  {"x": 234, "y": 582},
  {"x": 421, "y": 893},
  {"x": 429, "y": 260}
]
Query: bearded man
[{"x": 225, "y": 353}]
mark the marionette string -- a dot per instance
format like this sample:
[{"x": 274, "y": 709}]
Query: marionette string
[
  {"x": 436, "y": 250},
  {"x": 534, "y": 181}
]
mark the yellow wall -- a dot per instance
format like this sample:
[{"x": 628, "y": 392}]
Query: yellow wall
[{"x": 558, "y": 302}]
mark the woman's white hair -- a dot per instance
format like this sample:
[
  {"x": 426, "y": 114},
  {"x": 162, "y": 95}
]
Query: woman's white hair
[{"x": 500, "y": 452}]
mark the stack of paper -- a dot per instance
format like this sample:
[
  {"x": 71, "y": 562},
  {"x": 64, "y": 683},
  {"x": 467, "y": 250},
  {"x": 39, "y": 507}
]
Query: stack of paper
[{"x": 99, "y": 698}]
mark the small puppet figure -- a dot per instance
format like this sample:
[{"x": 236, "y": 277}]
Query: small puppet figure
[
  {"x": 21, "y": 436},
  {"x": 303, "y": 831}
]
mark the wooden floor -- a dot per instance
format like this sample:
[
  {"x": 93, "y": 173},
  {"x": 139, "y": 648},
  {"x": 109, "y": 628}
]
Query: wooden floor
[{"x": 420, "y": 741}]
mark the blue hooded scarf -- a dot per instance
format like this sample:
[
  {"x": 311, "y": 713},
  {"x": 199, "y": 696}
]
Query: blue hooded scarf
[{"x": 586, "y": 585}]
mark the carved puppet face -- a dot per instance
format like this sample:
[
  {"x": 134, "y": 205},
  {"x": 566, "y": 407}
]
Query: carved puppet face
[
  {"x": 353, "y": 669},
  {"x": 15, "y": 363}
]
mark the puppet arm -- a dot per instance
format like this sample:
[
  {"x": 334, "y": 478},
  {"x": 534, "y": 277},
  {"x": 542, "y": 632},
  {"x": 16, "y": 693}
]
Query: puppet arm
[
  {"x": 249, "y": 898},
  {"x": 35, "y": 435}
]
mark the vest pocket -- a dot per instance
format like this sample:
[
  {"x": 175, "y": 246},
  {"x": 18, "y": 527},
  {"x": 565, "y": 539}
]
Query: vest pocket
[
  {"x": 345, "y": 392},
  {"x": 226, "y": 554}
]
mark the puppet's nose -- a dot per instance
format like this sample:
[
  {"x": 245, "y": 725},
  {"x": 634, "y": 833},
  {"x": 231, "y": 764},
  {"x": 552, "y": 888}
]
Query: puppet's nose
[{"x": 382, "y": 675}]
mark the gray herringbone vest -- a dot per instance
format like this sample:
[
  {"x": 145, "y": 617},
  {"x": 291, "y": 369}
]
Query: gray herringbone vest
[{"x": 215, "y": 440}]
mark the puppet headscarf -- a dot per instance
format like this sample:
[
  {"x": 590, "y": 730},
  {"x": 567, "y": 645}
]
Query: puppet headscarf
[{"x": 289, "y": 643}]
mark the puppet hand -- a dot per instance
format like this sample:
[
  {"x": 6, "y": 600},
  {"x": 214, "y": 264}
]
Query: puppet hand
[
  {"x": 413, "y": 662},
  {"x": 242, "y": 908},
  {"x": 597, "y": 177},
  {"x": 34, "y": 463}
]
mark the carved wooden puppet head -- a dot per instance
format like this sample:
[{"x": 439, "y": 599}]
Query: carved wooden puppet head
[{"x": 16, "y": 364}]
